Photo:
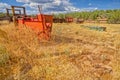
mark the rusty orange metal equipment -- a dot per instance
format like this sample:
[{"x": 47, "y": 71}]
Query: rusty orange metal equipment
[{"x": 42, "y": 25}]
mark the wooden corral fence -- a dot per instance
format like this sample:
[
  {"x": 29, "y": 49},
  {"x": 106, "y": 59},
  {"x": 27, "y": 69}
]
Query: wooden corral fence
[{"x": 6, "y": 18}]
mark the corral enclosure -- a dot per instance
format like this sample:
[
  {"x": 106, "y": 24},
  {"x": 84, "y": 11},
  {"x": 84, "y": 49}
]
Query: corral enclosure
[{"x": 73, "y": 53}]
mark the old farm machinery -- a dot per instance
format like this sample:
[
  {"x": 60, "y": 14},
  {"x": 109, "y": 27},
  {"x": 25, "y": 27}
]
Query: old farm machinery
[
  {"x": 63, "y": 20},
  {"x": 68, "y": 20},
  {"x": 41, "y": 24}
]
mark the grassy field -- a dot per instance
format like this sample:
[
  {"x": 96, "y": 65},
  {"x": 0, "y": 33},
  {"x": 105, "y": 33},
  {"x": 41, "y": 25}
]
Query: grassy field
[{"x": 73, "y": 53}]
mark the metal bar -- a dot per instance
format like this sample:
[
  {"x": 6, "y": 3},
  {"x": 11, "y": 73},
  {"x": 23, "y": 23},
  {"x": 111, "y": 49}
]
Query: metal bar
[
  {"x": 18, "y": 6},
  {"x": 15, "y": 9},
  {"x": 42, "y": 17},
  {"x": 40, "y": 9},
  {"x": 7, "y": 12},
  {"x": 14, "y": 18},
  {"x": 20, "y": 12},
  {"x": 24, "y": 11}
]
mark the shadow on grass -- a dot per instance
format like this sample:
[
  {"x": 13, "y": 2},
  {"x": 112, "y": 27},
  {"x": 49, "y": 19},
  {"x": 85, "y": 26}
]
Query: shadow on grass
[{"x": 56, "y": 39}]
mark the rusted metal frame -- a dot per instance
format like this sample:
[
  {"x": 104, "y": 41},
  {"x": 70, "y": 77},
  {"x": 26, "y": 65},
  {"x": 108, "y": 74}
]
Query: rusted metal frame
[
  {"x": 14, "y": 15},
  {"x": 24, "y": 11},
  {"x": 18, "y": 6},
  {"x": 40, "y": 9},
  {"x": 42, "y": 17},
  {"x": 7, "y": 12},
  {"x": 11, "y": 10}
]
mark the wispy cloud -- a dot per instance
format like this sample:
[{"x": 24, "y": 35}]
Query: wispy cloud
[
  {"x": 3, "y": 6},
  {"x": 50, "y": 5},
  {"x": 90, "y": 4}
]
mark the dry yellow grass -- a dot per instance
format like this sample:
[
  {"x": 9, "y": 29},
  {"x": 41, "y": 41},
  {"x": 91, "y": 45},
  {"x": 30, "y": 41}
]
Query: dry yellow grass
[{"x": 73, "y": 53}]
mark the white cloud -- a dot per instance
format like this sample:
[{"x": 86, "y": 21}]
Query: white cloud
[
  {"x": 89, "y": 9},
  {"x": 3, "y": 6},
  {"x": 24, "y": 1},
  {"x": 90, "y": 4},
  {"x": 36, "y": 1},
  {"x": 50, "y": 6}
]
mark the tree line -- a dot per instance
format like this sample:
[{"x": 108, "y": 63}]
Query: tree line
[
  {"x": 113, "y": 16},
  {"x": 2, "y": 14}
]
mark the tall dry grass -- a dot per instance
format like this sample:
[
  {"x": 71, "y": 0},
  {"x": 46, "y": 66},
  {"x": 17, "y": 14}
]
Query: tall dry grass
[{"x": 73, "y": 53}]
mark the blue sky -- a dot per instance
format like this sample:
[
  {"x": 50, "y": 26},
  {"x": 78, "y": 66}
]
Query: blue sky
[
  {"x": 100, "y": 4},
  {"x": 58, "y": 6}
]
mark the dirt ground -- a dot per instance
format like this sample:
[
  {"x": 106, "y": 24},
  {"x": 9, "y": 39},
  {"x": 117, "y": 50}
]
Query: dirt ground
[{"x": 73, "y": 53}]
